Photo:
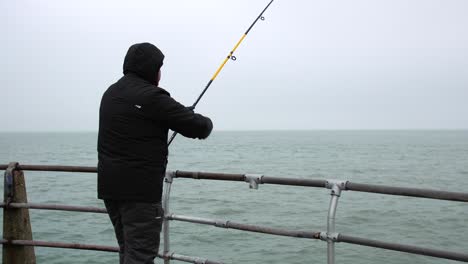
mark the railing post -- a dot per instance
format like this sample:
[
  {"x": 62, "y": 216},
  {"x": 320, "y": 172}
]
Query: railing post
[
  {"x": 167, "y": 194},
  {"x": 16, "y": 222},
  {"x": 331, "y": 236}
]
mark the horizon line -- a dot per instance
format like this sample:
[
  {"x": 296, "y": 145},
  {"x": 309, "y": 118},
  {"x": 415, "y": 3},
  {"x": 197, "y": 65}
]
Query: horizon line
[{"x": 261, "y": 130}]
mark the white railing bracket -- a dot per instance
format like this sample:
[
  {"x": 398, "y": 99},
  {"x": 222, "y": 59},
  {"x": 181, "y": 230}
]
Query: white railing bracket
[
  {"x": 336, "y": 186},
  {"x": 254, "y": 180},
  {"x": 170, "y": 175},
  {"x": 200, "y": 261},
  {"x": 222, "y": 224},
  {"x": 324, "y": 236}
]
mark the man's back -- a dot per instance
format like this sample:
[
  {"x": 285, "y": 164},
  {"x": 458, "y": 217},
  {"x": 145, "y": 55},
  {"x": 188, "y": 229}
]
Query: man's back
[{"x": 134, "y": 119}]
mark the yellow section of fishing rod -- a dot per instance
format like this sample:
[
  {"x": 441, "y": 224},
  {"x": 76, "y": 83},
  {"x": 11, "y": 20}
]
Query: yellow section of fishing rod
[{"x": 228, "y": 57}]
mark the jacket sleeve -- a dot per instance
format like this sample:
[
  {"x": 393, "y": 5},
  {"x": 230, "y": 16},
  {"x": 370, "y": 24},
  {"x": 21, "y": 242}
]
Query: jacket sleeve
[{"x": 178, "y": 117}]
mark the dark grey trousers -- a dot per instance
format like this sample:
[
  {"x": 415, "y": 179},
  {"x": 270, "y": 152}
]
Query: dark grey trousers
[{"x": 137, "y": 228}]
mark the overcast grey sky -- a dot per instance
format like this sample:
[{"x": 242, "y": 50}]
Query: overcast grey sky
[{"x": 350, "y": 64}]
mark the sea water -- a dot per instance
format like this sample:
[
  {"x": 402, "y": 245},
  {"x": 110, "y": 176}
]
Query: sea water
[{"x": 422, "y": 159}]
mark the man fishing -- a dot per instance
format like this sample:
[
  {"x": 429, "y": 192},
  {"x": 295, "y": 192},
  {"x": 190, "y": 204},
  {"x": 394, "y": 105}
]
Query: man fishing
[{"x": 134, "y": 119}]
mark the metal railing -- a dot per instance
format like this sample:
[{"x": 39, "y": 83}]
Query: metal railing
[{"x": 330, "y": 235}]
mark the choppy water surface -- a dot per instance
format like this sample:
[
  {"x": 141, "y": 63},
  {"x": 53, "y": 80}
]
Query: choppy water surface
[{"x": 429, "y": 159}]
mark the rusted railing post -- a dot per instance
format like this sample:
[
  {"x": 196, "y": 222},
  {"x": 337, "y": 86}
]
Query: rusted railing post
[{"x": 16, "y": 222}]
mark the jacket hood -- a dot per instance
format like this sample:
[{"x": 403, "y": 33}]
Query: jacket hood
[{"x": 144, "y": 60}]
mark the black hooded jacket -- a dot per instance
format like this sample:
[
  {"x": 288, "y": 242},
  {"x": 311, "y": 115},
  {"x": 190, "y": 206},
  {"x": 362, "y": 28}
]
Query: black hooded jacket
[{"x": 134, "y": 118}]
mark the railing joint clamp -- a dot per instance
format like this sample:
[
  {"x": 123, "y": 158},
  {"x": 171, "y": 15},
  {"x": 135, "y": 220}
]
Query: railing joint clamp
[
  {"x": 336, "y": 186},
  {"x": 170, "y": 175},
  {"x": 223, "y": 224},
  {"x": 254, "y": 180},
  {"x": 168, "y": 217},
  {"x": 168, "y": 255},
  {"x": 333, "y": 237},
  {"x": 200, "y": 261},
  {"x": 8, "y": 203}
]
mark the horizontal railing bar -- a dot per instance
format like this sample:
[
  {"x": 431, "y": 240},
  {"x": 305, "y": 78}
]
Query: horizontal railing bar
[
  {"x": 38, "y": 243},
  {"x": 228, "y": 224},
  {"x": 294, "y": 181},
  {"x": 341, "y": 238},
  {"x": 54, "y": 168},
  {"x": 242, "y": 177},
  {"x": 404, "y": 191},
  {"x": 382, "y": 189},
  {"x": 59, "y": 207},
  {"x": 209, "y": 176},
  {"x": 245, "y": 227},
  {"x": 370, "y": 188},
  {"x": 403, "y": 248},
  {"x": 189, "y": 259}
]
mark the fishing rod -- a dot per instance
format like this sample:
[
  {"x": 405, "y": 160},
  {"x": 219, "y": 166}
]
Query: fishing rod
[{"x": 229, "y": 56}]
